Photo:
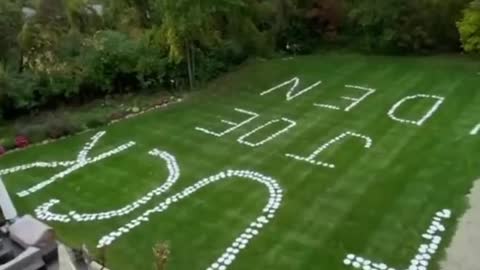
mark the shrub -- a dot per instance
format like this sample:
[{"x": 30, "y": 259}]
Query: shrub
[
  {"x": 117, "y": 115},
  {"x": 59, "y": 126},
  {"x": 326, "y": 18},
  {"x": 10, "y": 25},
  {"x": 210, "y": 65},
  {"x": 109, "y": 61},
  {"x": 115, "y": 63},
  {"x": 35, "y": 132},
  {"x": 21, "y": 141},
  {"x": 152, "y": 62},
  {"x": 18, "y": 93},
  {"x": 441, "y": 18},
  {"x": 51, "y": 127},
  {"x": 96, "y": 122},
  {"x": 405, "y": 26},
  {"x": 57, "y": 86},
  {"x": 231, "y": 52},
  {"x": 24, "y": 92},
  {"x": 8, "y": 144},
  {"x": 469, "y": 28}
]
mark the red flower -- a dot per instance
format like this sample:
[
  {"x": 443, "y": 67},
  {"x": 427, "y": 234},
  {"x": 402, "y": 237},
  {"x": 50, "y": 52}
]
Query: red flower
[{"x": 21, "y": 141}]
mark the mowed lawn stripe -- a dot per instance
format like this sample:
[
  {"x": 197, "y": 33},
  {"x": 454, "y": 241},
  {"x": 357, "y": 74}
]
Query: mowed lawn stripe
[
  {"x": 314, "y": 211},
  {"x": 376, "y": 202},
  {"x": 388, "y": 248}
]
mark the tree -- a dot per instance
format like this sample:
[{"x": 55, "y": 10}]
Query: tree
[
  {"x": 469, "y": 28},
  {"x": 326, "y": 16},
  {"x": 42, "y": 37},
  {"x": 391, "y": 25},
  {"x": 82, "y": 17},
  {"x": 10, "y": 25},
  {"x": 51, "y": 13},
  {"x": 406, "y": 26},
  {"x": 129, "y": 16},
  {"x": 186, "y": 24},
  {"x": 441, "y": 18},
  {"x": 143, "y": 11}
]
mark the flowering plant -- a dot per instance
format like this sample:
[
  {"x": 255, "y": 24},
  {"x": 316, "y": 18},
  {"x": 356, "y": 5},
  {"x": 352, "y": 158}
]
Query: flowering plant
[{"x": 21, "y": 141}]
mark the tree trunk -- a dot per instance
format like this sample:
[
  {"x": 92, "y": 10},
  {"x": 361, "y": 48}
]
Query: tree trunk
[
  {"x": 194, "y": 62},
  {"x": 189, "y": 65},
  {"x": 20, "y": 62}
]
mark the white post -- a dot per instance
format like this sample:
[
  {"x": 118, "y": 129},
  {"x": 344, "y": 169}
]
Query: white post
[{"x": 6, "y": 204}]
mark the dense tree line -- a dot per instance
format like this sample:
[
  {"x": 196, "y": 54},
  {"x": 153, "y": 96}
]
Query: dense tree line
[{"x": 71, "y": 51}]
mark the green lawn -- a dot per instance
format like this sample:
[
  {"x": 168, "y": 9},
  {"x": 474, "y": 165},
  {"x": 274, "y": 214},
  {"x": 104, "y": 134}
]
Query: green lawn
[{"x": 376, "y": 202}]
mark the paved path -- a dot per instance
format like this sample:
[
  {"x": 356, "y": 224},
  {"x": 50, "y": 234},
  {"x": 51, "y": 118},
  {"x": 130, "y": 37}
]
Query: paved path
[{"x": 464, "y": 251}]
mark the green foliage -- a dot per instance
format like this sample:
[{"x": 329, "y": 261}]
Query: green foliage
[
  {"x": 8, "y": 144},
  {"x": 440, "y": 20},
  {"x": 390, "y": 25},
  {"x": 73, "y": 51},
  {"x": 184, "y": 22},
  {"x": 17, "y": 93},
  {"x": 212, "y": 63},
  {"x": 111, "y": 57},
  {"x": 469, "y": 28},
  {"x": 96, "y": 122},
  {"x": 297, "y": 38},
  {"x": 152, "y": 63},
  {"x": 50, "y": 127},
  {"x": 10, "y": 25},
  {"x": 405, "y": 26},
  {"x": 326, "y": 17},
  {"x": 51, "y": 13},
  {"x": 114, "y": 62},
  {"x": 34, "y": 132},
  {"x": 27, "y": 91},
  {"x": 4, "y": 83},
  {"x": 187, "y": 26},
  {"x": 40, "y": 44},
  {"x": 126, "y": 15},
  {"x": 57, "y": 127},
  {"x": 81, "y": 16}
]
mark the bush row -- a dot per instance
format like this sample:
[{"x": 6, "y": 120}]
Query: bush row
[
  {"x": 109, "y": 63},
  {"x": 73, "y": 59},
  {"x": 52, "y": 126}
]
